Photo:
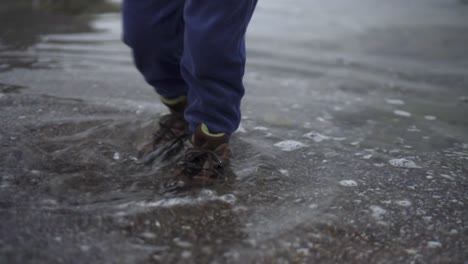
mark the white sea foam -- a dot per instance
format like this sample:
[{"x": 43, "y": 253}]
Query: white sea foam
[
  {"x": 463, "y": 99},
  {"x": 404, "y": 163},
  {"x": 339, "y": 138},
  {"x": 348, "y": 183},
  {"x": 447, "y": 177},
  {"x": 181, "y": 243},
  {"x": 430, "y": 118},
  {"x": 403, "y": 203},
  {"x": 414, "y": 129},
  {"x": 315, "y": 136},
  {"x": 241, "y": 129},
  {"x": 116, "y": 156},
  {"x": 148, "y": 235},
  {"x": 204, "y": 197},
  {"x": 377, "y": 211},
  {"x": 402, "y": 113},
  {"x": 186, "y": 254},
  {"x": 290, "y": 145},
  {"x": 434, "y": 244},
  {"x": 395, "y": 101},
  {"x": 228, "y": 198},
  {"x": 260, "y": 128}
]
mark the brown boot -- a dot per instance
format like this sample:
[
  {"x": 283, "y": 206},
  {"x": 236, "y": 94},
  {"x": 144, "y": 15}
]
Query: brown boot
[
  {"x": 206, "y": 159},
  {"x": 172, "y": 130}
]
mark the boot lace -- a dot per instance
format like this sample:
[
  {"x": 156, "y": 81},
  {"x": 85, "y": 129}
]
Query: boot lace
[{"x": 206, "y": 162}]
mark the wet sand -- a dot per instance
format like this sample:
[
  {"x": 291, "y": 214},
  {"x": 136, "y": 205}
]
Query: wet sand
[{"x": 353, "y": 147}]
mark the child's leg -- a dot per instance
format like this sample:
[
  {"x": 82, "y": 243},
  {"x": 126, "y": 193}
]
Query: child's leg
[
  {"x": 154, "y": 30},
  {"x": 213, "y": 61}
]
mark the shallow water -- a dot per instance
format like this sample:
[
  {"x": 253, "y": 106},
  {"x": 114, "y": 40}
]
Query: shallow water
[{"x": 353, "y": 147}]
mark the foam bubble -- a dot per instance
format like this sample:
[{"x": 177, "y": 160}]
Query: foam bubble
[{"x": 290, "y": 145}]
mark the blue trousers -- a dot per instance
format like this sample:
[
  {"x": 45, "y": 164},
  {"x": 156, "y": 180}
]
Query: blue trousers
[{"x": 193, "y": 48}]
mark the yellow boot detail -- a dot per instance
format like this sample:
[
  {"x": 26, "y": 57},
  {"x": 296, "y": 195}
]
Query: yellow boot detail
[
  {"x": 205, "y": 131},
  {"x": 174, "y": 101}
]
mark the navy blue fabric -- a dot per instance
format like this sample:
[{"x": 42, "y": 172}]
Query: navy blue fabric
[{"x": 194, "y": 48}]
